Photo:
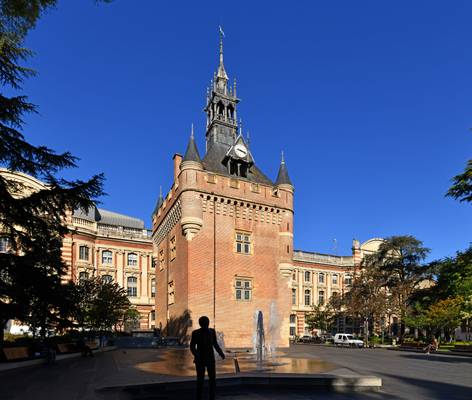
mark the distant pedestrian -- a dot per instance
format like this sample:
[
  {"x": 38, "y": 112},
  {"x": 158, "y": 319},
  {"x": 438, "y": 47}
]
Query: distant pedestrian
[{"x": 202, "y": 344}]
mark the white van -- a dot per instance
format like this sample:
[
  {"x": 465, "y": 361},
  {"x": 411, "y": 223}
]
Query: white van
[{"x": 345, "y": 339}]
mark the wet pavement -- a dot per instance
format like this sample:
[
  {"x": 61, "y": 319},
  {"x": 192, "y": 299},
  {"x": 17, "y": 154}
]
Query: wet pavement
[{"x": 179, "y": 362}]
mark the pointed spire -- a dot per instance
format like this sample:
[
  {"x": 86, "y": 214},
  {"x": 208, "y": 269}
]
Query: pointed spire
[
  {"x": 234, "y": 88},
  {"x": 221, "y": 67},
  {"x": 240, "y": 126},
  {"x": 159, "y": 202},
  {"x": 248, "y": 138},
  {"x": 282, "y": 177},
  {"x": 191, "y": 154}
]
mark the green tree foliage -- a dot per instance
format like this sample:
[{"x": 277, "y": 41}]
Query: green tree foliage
[
  {"x": 30, "y": 273},
  {"x": 100, "y": 305},
  {"x": 461, "y": 188}
]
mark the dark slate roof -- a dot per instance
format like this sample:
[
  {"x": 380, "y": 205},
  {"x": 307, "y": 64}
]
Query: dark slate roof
[
  {"x": 213, "y": 162},
  {"x": 102, "y": 216},
  {"x": 159, "y": 202},
  {"x": 282, "y": 177},
  {"x": 192, "y": 154}
]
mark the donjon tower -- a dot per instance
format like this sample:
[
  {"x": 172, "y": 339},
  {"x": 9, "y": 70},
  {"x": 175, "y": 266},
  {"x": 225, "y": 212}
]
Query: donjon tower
[{"x": 223, "y": 234}]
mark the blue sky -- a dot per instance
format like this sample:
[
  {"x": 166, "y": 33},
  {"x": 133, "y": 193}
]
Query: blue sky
[{"x": 371, "y": 102}]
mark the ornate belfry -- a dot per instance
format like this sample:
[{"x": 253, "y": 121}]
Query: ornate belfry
[{"x": 222, "y": 135}]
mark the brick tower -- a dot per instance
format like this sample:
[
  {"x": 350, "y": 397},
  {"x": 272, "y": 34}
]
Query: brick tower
[{"x": 223, "y": 235}]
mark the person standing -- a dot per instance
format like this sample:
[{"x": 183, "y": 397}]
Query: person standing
[{"x": 202, "y": 344}]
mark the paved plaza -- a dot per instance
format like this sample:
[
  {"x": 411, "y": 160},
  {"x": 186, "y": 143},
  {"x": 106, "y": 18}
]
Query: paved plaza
[{"x": 405, "y": 375}]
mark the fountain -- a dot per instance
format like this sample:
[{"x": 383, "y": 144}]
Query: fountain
[{"x": 260, "y": 338}]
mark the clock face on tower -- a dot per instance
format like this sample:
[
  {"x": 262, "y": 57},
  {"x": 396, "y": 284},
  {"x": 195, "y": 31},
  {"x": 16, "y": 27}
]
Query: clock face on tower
[{"x": 240, "y": 150}]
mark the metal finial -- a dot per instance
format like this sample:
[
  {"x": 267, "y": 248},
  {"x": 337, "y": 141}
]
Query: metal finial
[
  {"x": 191, "y": 132},
  {"x": 248, "y": 137},
  {"x": 283, "y": 160},
  {"x": 160, "y": 191},
  {"x": 240, "y": 126},
  {"x": 222, "y": 35},
  {"x": 234, "y": 88}
]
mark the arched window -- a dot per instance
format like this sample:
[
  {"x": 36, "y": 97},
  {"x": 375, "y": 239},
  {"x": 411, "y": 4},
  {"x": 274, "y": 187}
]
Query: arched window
[
  {"x": 153, "y": 288},
  {"x": 132, "y": 287},
  {"x": 107, "y": 278},
  {"x": 321, "y": 297},
  {"x": 335, "y": 279},
  {"x": 348, "y": 280},
  {"x": 321, "y": 277},
  {"x": 83, "y": 276},
  {"x": 132, "y": 259},
  {"x": 307, "y": 276},
  {"x": 83, "y": 253},
  {"x": 307, "y": 297},
  {"x": 107, "y": 257},
  {"x": 4, "y": 244}
]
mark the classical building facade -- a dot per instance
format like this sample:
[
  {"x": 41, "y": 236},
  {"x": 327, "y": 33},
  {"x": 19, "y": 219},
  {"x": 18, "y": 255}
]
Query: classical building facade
[{"x": 103, "y": 244}]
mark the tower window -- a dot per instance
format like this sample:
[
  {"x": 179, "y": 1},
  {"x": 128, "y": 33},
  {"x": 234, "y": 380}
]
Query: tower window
[
  {"x": 170, "y": 293},
  {"x": 243, "y": 289},
  {"x": 173, "y": 249},
  {"x": 83, "y": 253},
  {"x": 243, "y": 243}
]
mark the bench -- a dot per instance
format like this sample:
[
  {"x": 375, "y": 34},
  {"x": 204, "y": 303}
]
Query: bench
[
  {"x": 67, "y": 348},
  {"x": 467, "y": 348},
  {"x": 16, "y": 353}
]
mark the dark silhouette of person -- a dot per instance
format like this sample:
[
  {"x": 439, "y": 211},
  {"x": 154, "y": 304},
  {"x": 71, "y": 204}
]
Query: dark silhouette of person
[{"x": 202, "y": 344}]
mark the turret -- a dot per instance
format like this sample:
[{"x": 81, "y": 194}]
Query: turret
[{"x": 191, "y": 158}]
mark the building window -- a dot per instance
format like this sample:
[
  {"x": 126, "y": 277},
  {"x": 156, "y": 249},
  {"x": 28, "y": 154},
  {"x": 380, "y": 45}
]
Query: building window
[
  {"x": 107, "y": 278},
  {"x": 132, "y": 287},
  {"x": 292, "y": 331},
  {"x": 307, "y": 276},
  {"x": 132, "y": 259},
  {"x": 83, "y": 276},
  {"x": 83, "y": 253},
  {"x": 321, "y": 297},
  {"x": 348, "y": 280},
  {"x": 243, "y": 243},
  {"x": 335, "y": 279},
  {"x": 307, "y": 297},
  {"x": 153, "y": 262},
  {"x": 293, "y": 318},
  {"x": 243, "y": 289},
  {"x": 161, "y": 259},
  {"x": 170, "y": 293},
  {"x": 321, "y": 277},
  {"x": 294, "y": 276},
  {"x": 4, "y": 244},
  {"x": 107, "y": 257},
  {"x": 294, "y": 296},
  {"x": 153, "y": 315},
  {"x": 153, "y": 288},
  {"x": 334, "y": 294},
  {"x": 173, "y": 249}
]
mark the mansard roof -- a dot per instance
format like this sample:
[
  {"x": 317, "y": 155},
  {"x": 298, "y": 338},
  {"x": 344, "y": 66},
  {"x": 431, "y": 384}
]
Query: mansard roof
[
  {"x": 102, "y": 216},
  {"x": 213, "y": 162}
]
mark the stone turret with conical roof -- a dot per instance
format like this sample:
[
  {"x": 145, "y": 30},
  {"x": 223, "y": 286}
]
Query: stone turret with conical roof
[
  {"x": 282, "y": 177},
  {"x": 192, "y": 156}
]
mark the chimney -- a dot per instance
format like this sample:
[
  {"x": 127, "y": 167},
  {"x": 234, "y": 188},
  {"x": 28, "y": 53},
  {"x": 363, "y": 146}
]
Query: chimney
[{"x": 177, "y": 160}]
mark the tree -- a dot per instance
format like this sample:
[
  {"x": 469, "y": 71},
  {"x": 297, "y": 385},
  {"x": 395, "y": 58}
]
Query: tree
[
  {"x": 34, "y": 224},
  {"x": 100, "y": 305},
  {"x": 321, "y": 317},
  {"x": 461, "y": 188},
  {"x": 399, "y": 262},
  {"x": 444, "y": 315}
]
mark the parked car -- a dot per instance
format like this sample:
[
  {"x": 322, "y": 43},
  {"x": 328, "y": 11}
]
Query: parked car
[
  {"x": 306, "y": 339},
  {"x": 345, "y": 339}
]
